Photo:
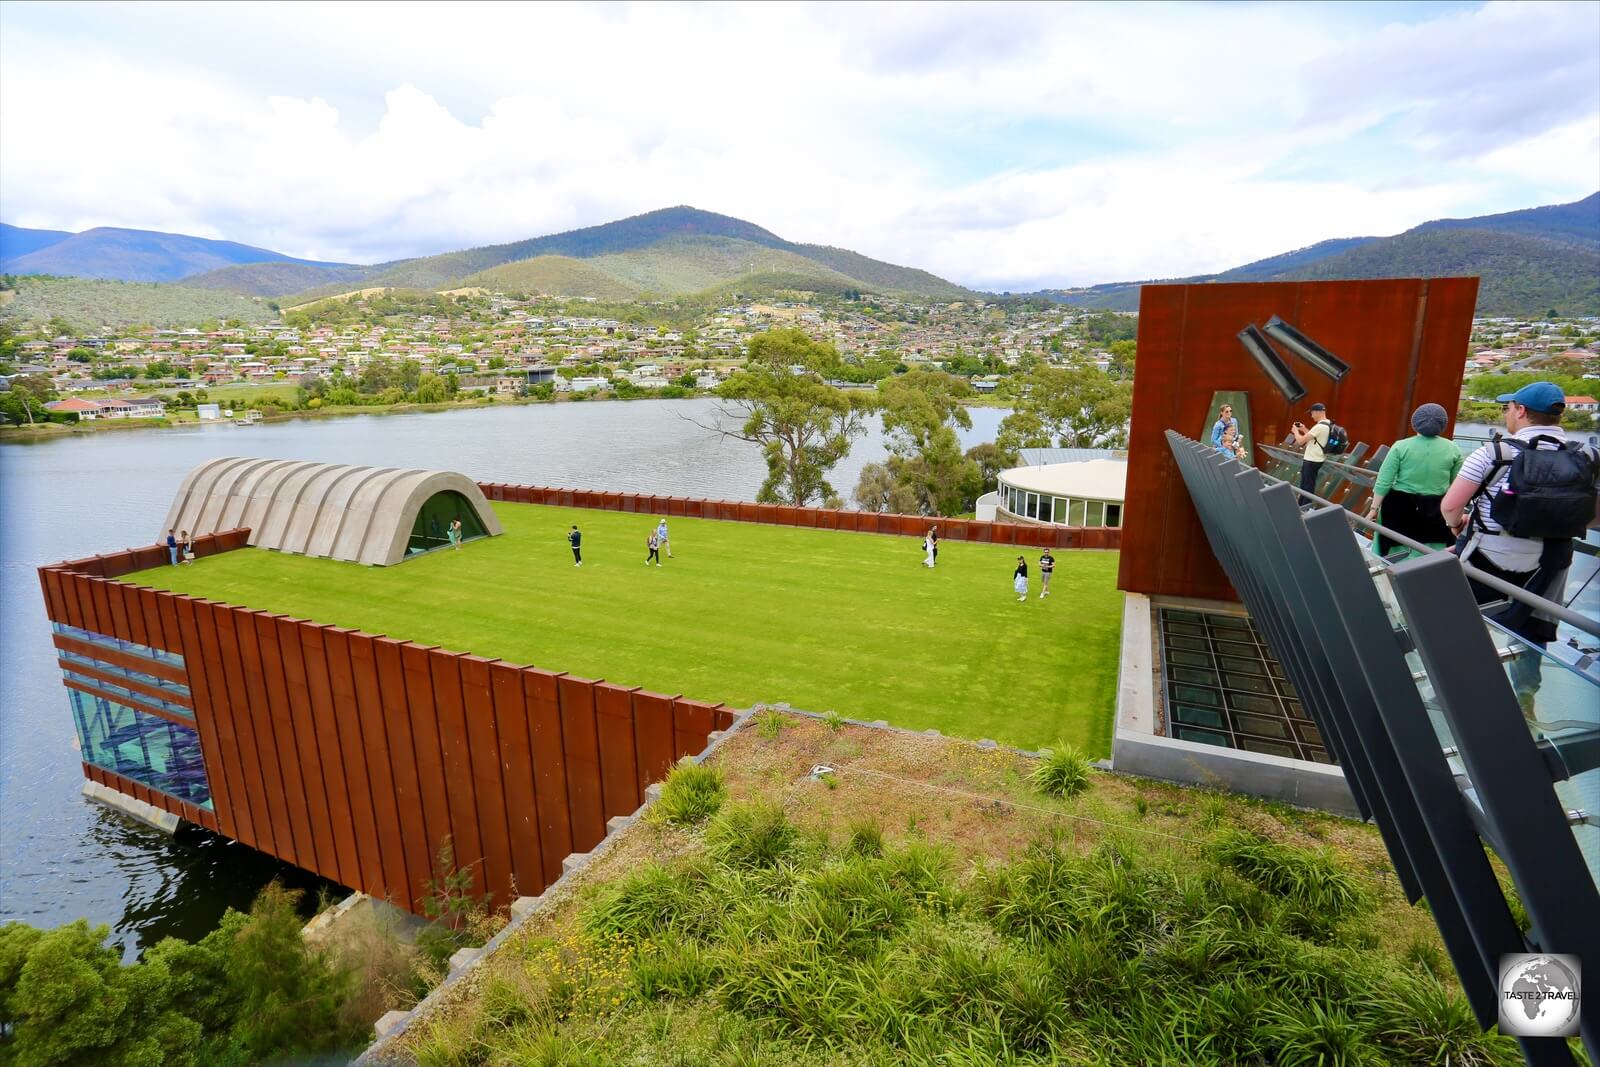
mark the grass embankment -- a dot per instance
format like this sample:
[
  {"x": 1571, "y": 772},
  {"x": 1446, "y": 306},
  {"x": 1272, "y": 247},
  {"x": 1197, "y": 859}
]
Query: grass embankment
[
  {"x": 925, "y": 905},
  {"x": 746, "y": 614}
]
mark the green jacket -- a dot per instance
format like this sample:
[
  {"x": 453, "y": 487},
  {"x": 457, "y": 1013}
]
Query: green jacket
[{"x": 1422, "y": 466}]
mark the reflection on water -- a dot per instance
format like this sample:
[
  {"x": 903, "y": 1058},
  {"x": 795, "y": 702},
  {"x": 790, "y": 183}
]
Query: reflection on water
[{"x": 62, "y": 858}]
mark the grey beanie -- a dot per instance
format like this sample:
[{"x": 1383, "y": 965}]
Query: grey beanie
[{"x": 1429, "y": 420}]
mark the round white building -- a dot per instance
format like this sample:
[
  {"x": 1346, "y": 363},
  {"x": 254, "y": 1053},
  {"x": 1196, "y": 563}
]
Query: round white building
[{"x": 1086, "y": 493}]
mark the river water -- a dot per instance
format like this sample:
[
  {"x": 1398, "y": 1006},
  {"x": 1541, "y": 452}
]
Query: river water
[{"x": 61, "y": 857}]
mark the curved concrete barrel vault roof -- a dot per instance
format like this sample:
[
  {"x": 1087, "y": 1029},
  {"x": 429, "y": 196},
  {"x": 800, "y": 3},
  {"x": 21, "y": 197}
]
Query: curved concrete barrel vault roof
[{"x": 333, "y": 510}]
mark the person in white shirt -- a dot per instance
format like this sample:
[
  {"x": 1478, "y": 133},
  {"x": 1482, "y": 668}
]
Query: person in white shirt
[
  {"x": 1539, "y": 565},
  {"x": 1315, "y": 442},
  {"x": 927, "y": 549},
  {"x": 661, "y": 537}
]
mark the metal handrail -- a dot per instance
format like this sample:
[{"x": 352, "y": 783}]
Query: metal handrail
[{"x": 1499, "y": 585}]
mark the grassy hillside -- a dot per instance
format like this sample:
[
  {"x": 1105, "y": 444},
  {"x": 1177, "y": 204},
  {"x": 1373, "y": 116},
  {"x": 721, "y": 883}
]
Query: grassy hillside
[
  {"x": 682, "y": 265},
  {"x": 1521, "y": 275},
  {"x": 555, "y": 276},
  {"x": 90, "y": 303},
  {"x": 882, "y": 276},
  {"x": 275, "y": 279},
  {"x": 674, "y": 252}
]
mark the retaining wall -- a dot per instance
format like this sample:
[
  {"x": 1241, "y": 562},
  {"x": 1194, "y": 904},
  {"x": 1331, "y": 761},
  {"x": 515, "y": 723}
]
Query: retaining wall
[
  {"x": 999, "y": 533},
  {"x": 355, "y": 755}
]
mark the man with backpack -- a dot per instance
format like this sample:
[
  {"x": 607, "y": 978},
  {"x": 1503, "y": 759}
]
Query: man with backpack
[
  {"x": 1322, "y": 440},
  {"x": 1516, "y": 505}
]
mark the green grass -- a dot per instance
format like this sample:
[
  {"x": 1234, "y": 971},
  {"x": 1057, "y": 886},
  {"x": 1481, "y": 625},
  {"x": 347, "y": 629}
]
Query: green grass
[{"x": 824, "y": 620}]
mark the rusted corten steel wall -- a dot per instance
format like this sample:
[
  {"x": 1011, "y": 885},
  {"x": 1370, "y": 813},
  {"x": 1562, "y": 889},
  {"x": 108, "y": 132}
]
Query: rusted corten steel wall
[
  {"x": 1405, "y": 340},
  {"x": 999, "y": 533},
  {"x": 355, "y": 756}
]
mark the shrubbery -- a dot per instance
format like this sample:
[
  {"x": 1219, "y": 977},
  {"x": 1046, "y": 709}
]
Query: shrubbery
[{"x": 253, "y": 990}]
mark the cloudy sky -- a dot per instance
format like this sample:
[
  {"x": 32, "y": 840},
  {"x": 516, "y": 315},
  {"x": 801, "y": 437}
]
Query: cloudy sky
[{"x": 1002, "y": 147}]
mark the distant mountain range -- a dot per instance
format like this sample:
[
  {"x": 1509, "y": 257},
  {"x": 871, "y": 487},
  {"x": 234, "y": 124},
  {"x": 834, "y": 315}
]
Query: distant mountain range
[
  {"x": 674, "y": 252},
  {"x": 1530, "y": 261},
  {"x": 116, "y": 254}
]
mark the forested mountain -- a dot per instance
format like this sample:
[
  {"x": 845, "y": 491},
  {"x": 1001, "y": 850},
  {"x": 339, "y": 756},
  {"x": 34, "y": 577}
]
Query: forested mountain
[
  {"x": 1530, "y": 261},
  {"x": 673, "y": 252},
  {"x": 128, "y": 255}
]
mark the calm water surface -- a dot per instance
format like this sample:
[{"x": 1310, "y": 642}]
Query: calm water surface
[{"x": 62, "y": 858}]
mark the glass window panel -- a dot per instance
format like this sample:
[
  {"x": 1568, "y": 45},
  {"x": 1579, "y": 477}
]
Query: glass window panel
[
  {"x": 147, "y": 749},
  {"x": 164, "y": 684},
  {"x": 117, "y": 644},
  {"x": 1113, "y": 514},
  {"x": 1190, "y": 674},
  {"x": 1230, "y": 648},
  {"x": 1193, "y": 644},
  {"x": 1249, "y": 683},
  {"x": 1243, "y": 666},
  {"x": 1075, "y": 516},
  {"x": 1187, "y": 629},
  {"x": 1269, "y": 748},
  {"x": 1318, "y": 755},
  {"x": 1209, "y": 737},
  {"x": 1199, "y": 716},
  {"x": 1097, "y": 513},
  {"x": 1183, "y": 616},
  {"x": 1306, "y": 732},
  {"x": 1189, "y": 659},
  {"x": 1197, "y": 695},
  {"x": 129, "y": 694},
  {"x": 1227, "y": 622},
  {"x": 1033, "y": 506},
  {"x": 1261, "y": 726}
]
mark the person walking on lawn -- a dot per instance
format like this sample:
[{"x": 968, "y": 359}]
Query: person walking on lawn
[
  {"x": 575, "y": 539},
  {"x": 1047, "y": 565},
  {"x": 1019, "y": 580},
  {"x": 933, "y": 536},
  {"x": 927, "y": 549},
  {"x": 653, "y": 543},
  {"x": 661, "y": 537}
]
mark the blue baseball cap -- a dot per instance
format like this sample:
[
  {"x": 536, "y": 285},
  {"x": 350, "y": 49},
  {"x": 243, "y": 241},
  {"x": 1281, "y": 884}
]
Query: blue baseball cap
[{"x": 1543, "y": 397}]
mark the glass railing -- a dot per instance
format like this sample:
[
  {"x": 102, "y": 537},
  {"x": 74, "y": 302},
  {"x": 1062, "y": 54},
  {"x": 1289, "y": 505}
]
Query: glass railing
[{"x": 1557, "y": 687}]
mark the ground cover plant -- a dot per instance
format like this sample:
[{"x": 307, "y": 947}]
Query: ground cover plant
[
  {"x": 743, "y": 613},
  {"x": 935, "y": 907}
]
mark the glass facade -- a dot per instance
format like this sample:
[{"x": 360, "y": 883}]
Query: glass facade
[
  {"x": 115, "y": 644},
  {"x": 1065, "y": 511},
  {"x": 148, "y": 749},
  {"x": 119, "y": 728}
]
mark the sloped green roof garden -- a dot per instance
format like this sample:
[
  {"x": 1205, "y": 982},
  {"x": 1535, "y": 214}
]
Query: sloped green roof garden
[
  {"x": 741, "y": 613},
  {"x": 924, "y": 902}
]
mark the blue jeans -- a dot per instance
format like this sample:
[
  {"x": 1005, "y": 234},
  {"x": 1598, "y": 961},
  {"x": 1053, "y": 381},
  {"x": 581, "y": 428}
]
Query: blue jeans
[{"x": 172, "y": 550}]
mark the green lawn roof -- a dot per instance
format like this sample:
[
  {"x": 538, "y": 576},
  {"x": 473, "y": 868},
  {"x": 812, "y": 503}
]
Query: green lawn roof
[{"x": 822, "y": 619}]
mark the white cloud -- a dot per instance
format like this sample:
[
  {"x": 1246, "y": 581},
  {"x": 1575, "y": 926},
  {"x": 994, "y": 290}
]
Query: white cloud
[{"x": 1156, "y": 141}]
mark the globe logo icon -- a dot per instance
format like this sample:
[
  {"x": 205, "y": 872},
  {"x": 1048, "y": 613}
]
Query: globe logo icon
[{"x": 1539, "y": 995}]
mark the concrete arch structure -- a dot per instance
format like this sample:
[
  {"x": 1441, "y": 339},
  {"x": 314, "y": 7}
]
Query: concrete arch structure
[{"x": 332, "y": 510}]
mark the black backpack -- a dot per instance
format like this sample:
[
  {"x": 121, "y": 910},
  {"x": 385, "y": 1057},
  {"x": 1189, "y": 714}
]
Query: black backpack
[
  {"x": 1548, "y": 492},
  {"x": 1338, "y": 439}
]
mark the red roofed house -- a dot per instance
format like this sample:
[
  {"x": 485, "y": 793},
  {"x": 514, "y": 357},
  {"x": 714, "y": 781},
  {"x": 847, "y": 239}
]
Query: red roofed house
[
  {"x": 1582, "y": 403},
  {"x": 84, "y": 409}
]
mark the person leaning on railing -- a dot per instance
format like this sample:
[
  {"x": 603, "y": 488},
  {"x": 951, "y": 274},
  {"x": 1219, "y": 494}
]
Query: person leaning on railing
[
  {"x": 1517, "y": 504},
  {"x": 1412, "y": 481}
]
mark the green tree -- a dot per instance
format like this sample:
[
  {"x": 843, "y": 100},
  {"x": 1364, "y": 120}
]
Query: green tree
[
  {"x": 921, "y": 411},
  {"x": 432, "y": 390},
  {"x": 803, "y": 425},
  {"x": 1067, "y": 407}
]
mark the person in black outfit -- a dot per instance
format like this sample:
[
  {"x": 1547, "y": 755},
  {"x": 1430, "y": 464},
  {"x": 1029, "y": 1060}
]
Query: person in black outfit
[
  {"x": 1047, "y": 566},
  {"x": 933, "y": 537},
  {"x": 575, "y": 539}
]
